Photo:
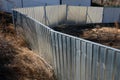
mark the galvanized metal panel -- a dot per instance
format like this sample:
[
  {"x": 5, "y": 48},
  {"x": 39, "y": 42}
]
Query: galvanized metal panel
[
  {"x": 73, "y": 56},
  {"x": 23, "y": 10},
  {"x": 26, "y": 32},
  {"x": 39, "y": 38},
  {"x": 117, "y": 67},
  {"x": 64, "y": 51},
  {"x": 55, "y": 15},
  {"x": 32, "y": 34},
  {"x": 45, "y": 54},
  {"x": 76, "y": 15},
  {"x": 49, "y": 49},
  {"x": 48, "y": 42},
  {"x": 55, "y": 47},
  {"x": 95, "y": 62},
  {"x": 62, "y": 14},
  {"x": 43, "y": 36},
  {"x": 109, "y": 64},
  {"x": 53, "y": 52},
  {"x": 31, "y": 37},
  {"x": 103, "y": 52},
  {"x": 52, "y": 15},
  {"x": 89, "y": 58},
  {"x": 27, "y": 11},
  {"x": 83, "y": 60},
  {"x": 18, "y": 18},
  {"x": 37, "y": 27},
  {"x": 94, "y": 15},
  {"x": 78, "y": 60},
  {"x": 39, "y": 14},
  {"x": 30, "y": 12},
  {"x": 61, "y": 56},
  {"x": 43, "y": 43},
  {"x": 69, "y": 77},
  {"x": 111, "y": 15}
]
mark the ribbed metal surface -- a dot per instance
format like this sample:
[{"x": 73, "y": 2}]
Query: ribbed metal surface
[
  {"x": 76, "y": 15},
  {"x": 72, "y": 58},
  {"x": 39, "y": 14},
  {"x": 58, "y": 15},
  {"x": 94, "y": 14}
]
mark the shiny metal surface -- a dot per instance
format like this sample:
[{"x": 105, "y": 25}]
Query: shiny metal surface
[{"x": 71, "y": 57}]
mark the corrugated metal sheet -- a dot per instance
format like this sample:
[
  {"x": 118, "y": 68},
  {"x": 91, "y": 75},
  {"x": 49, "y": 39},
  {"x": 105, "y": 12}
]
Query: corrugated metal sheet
[
  {"x": 72, "y": 58},
  {"x": 31, "y": 38},
  {"x": 39, "y": 14},
  {"x": 55, "y": 15},
  {"x": 94, "y": 15},
  {"x": 44, "y": 43},
  {"x": 111, "y": 15},
  {"x": 76, "y": 15}
]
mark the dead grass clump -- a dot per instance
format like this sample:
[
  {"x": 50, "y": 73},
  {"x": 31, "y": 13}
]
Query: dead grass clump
[
  {"x": 17, "y": 62},
  {"x": 7, "y": 54},
  {"x": 11, "y": 35},
  {"x": 22, "y": 64}
]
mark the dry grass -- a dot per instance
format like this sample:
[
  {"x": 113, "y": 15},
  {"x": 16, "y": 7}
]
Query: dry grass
[
  {"x": 17, "y": 62},
  {"x": 21, "y": 64}
]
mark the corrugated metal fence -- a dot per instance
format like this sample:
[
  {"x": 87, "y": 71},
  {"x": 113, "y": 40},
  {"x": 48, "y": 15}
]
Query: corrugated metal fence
[
  {"x": 72, "y": 58},
  {"x": 54, "y": 15}
]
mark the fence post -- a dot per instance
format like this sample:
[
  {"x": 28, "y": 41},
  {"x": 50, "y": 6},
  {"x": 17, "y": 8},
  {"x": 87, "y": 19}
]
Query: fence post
[
  {"x": 86, "y": 14},
  {"x": 66, "y": 13},
  {"x": 103, "y": 15},
  {"x": 22, "y": 3},
  {"x": 45, "y": 15}
]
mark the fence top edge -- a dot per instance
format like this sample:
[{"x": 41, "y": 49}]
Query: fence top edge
[{"x": 87, "y": 41}]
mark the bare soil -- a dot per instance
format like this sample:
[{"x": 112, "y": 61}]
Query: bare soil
[
  {"x": 17, "y": 62},
  {"x": 105, "y": 35}
]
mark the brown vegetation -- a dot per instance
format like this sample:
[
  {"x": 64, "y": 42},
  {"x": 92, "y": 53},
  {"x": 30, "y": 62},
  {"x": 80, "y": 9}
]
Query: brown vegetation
[{"x": 17, "y": 62}]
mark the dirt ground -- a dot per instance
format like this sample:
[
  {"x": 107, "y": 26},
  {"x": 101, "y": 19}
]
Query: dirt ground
[
  {"x": 109, "y": 36},
  {"x": 17, "y": 62}
]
